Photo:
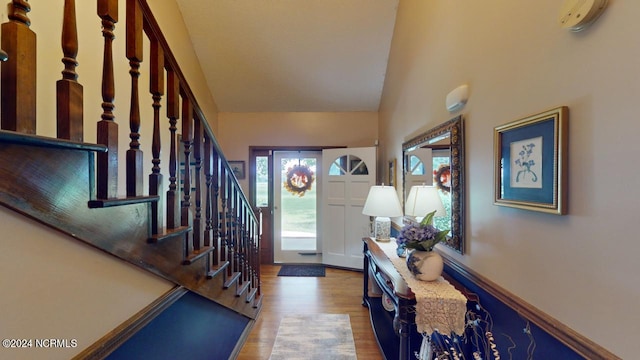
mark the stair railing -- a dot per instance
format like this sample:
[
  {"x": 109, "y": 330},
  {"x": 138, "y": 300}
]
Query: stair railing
[{"x": 215, "y": 221}]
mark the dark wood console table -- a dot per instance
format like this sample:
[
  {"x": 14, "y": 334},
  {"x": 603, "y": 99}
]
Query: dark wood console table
[{"x": 396, "y": 331}]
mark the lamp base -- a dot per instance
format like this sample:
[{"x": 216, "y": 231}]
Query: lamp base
[{"x": 382, "y": 229}]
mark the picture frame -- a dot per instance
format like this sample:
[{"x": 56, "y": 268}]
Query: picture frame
[
  {"x": 237, "y": 166},
  {"x": 393, "y": 165},
  {"x": 192, "y": 174},
  {"x": 530, "y": 159}
]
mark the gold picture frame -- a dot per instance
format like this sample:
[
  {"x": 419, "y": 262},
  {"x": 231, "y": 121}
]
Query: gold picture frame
[
  {"x": 393, "y": 166},
  {"x": 530, "y": 162}
]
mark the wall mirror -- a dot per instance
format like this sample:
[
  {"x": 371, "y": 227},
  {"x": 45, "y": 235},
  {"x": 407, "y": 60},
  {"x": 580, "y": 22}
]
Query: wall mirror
[{"x": 436, "y": 157}]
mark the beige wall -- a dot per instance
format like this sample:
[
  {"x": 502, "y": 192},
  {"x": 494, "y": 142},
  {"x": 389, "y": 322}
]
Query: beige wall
[
  {"x": 581, "y": 268},
  {"x": 238, "y": 131},
  {"x": 53, "y": 286},
  {"x": 170, "y": 19}
]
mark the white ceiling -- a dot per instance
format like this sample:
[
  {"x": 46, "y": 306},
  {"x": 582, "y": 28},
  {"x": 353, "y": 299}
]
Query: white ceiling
[{"x": 292, "y": 55}]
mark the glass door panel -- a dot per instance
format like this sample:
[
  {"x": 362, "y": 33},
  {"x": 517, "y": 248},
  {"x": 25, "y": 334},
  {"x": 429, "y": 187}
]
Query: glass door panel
[{"x": 296, "y": 207}]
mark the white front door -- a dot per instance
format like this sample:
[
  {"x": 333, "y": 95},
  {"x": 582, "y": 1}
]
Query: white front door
[
  {"x": 347, "y": 176},
  {"x": 419, "y": 168}
]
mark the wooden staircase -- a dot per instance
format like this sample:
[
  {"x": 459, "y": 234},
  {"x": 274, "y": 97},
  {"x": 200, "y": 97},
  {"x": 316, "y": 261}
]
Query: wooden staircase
[{"x": 198, "y": 231}]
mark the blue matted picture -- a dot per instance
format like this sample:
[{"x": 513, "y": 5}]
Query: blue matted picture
[{"x": 530, "y": 161}]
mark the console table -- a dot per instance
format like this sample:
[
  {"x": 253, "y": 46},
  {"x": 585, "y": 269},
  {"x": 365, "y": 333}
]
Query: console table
[{"x": 419, "y": 307}]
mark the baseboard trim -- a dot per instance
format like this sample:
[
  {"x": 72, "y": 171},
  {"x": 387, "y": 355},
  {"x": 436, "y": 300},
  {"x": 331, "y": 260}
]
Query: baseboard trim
[
  {"x": 569, "y": 337},
  {"x": 118, "y": 336}
]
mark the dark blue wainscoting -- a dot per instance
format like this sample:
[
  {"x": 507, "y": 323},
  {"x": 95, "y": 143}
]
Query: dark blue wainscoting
[
  {"x": 193, "y": 328},
  {"x": 514, "y": 336}
]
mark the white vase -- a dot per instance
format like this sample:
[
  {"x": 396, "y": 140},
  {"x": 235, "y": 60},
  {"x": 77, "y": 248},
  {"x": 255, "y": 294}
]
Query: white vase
[{"x": 425, "y": 265}]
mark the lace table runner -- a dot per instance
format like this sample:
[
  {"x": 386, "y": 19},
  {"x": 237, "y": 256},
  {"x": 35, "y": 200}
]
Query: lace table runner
[{"x": 439, "y": 306}]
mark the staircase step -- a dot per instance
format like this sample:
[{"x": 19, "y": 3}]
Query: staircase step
[
  {"x": 231, "y": 279},
  {"x": 242, "y": 288},
  {"x": 104, "y": 203},
  {"x": 215, "y": 270},
  {"x": 197, "y": 255},
  {"x": 168, "y": 234},
  {"x": 251, "y": 295},
  {"x": 257, "y": 302}
]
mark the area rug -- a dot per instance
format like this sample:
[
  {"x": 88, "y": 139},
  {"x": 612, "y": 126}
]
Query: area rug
[
  {"x": 302, "y": 270},
  {"x": 314, "y": 337}
]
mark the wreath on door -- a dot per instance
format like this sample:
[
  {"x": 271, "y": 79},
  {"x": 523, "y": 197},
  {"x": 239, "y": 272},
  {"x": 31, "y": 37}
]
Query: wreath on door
[
  {"x": 442, "y": 176},
  {"x": 299, "y": 180}
]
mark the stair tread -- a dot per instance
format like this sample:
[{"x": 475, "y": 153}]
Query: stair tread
[
  {"x": 231, "y": 279},
  {"x": 257, "y": 302},
  {"x": 215, "y": 270},
  {"x": 104, "y": 203},
  {"x": 197, "y": 254},
  {"x": 242, "y": 288},
  {"x": 251, "y": 295},
  {"x": 168, "y": 234}
]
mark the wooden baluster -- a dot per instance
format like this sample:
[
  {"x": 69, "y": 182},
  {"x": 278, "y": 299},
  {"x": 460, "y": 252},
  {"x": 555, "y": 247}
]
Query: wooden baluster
[
  {"x": 243, "y": 242},
  {"x": 187, "y": 119},
  {"x": 229, "y": 221},
  {"x": 239, "y": 239},
  {"x": 250, "y": 244},
  {"x": 248, "y": 247},
  {"x": 214, "y": 205},
  {"x": 19, "y": 71},
  {"x": 236, "y": 228},
  {"x": 134, "y": 54},
  {"x": 223, "y": 215},
  {"x": 255, "y": 265},
  {"x": 107, "y": 162},
  {"x": 208, "y": 230},
  {"x": 197, "y": 158},
  {"x": 255, "y": 256},
  {"x": 173, "y": 111},
  {"x": 247, "y": 243},
  {"x": 252, "y": 248},
  {"x": 156, "y": 87},
  {"x": 68, "y": 91},
  {"x": 256, "y": 271}
]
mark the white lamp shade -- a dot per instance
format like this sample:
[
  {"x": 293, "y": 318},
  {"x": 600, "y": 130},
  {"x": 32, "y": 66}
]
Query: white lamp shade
[
  {"x": 422, "y": 200},
  {"x": 382, "y": 201}
]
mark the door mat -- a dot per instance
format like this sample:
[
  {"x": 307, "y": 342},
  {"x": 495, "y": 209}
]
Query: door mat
[
  {"x": 302, "y": 270},
  {"x": 314, "y": 336}
]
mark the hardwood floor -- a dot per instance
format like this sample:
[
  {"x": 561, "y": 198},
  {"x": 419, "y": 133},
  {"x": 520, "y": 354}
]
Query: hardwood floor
[{"x": 340, "y": 292}]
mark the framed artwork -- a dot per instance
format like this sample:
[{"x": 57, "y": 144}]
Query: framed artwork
[
  {"x": 238, "y": 169},
  {"x": 192, "y": 174},
  {"x": 530, "y": 162},
  {"x": 392, "y": 172}
]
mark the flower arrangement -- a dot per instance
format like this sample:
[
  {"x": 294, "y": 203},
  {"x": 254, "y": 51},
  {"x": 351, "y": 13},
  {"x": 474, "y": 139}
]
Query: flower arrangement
[{"x": 421, "y": 236}]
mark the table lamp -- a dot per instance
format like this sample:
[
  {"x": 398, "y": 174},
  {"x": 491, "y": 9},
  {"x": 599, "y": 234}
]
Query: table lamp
[
  {"x": 383, "y": 203},
  {"x": 422, "y": 200}
]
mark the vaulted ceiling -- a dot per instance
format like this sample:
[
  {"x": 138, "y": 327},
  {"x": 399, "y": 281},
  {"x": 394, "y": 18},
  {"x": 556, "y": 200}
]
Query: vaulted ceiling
[{"x": 292, "y": 55}]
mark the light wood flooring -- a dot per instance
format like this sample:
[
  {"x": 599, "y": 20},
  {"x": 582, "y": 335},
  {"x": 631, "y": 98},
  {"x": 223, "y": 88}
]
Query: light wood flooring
[{"x": 340, "y": 292}]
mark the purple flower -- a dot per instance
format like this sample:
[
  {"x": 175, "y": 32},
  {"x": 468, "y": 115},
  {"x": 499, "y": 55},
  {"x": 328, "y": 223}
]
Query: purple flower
[{"x": 421, "y": 236}]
